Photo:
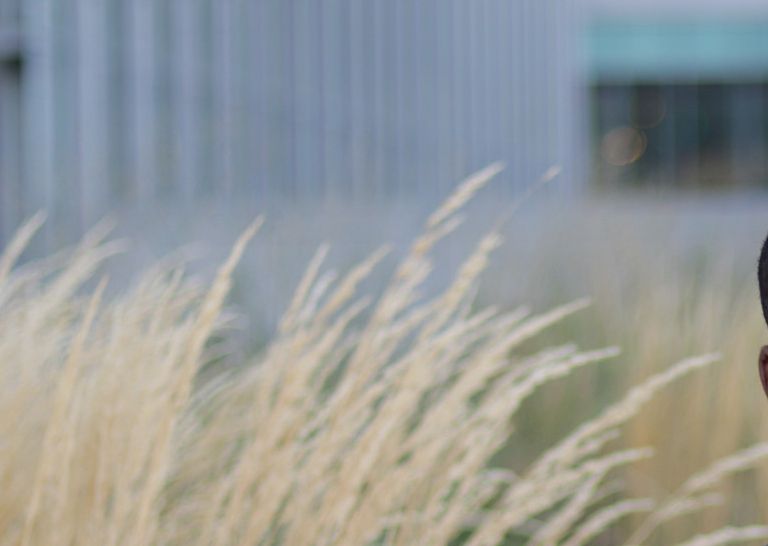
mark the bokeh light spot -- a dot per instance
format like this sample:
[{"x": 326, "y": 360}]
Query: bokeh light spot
[{"x": 623, "y": 145}]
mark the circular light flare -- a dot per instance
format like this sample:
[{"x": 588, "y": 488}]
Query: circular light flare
[{"x": 623, "y": 146}]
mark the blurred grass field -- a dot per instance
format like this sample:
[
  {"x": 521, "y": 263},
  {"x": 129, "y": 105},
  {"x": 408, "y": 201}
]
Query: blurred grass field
[
  {"x": 384, "y": 415},
  {"x": 667, "y": 279}
]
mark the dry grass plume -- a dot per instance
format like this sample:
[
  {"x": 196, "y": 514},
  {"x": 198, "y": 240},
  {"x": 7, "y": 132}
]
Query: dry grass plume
[{"x": 367, "y": 420}]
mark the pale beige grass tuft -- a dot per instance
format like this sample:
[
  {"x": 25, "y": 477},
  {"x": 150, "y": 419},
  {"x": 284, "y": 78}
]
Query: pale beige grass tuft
[{"x": 365, "y": 421}]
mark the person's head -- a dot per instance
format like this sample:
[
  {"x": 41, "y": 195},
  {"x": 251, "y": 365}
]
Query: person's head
[{"x": 762, "y": 281}]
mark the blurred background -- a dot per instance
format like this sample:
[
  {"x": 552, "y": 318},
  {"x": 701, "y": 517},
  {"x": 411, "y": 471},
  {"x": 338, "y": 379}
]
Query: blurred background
[
  {"x": 108, "y": 103},
  {"x": 162, "y": 111},
  {"x": 347, "y": 121}
]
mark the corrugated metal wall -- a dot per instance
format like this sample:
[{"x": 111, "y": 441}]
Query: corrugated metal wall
[{"x": 135, "y": 101}]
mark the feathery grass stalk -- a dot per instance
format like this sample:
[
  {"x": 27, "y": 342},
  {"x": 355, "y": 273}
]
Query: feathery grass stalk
[
  {"x": 355, "y": 426},
  {"x": 730, "y": 535},
  {"x": 692, "y": 495}
]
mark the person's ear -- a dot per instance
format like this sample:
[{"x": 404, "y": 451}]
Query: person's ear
[{"x": 762, "y": 368}]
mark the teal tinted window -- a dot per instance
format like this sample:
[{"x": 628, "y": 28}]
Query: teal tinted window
[
  {"x": 677, "y": 50},
  {"x": 681, "y": 104}
]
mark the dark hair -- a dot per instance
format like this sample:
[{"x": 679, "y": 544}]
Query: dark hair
[{"x": 762, "y": 278}]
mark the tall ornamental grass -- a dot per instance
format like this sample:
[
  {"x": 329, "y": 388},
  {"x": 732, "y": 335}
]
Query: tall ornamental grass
[{"x": 368, "y": 419}]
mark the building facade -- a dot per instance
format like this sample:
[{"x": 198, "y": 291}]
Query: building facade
[
  {"x": 106, "y": 103},
  {"x": 110, "y": 102},
  {"x": 679, "y": 93}
]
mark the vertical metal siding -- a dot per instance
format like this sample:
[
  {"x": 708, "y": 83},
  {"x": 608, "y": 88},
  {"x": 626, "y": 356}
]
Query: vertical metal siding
[
  {"x": 178, "y": 99},
  {"x": 11, "y": 198}
]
